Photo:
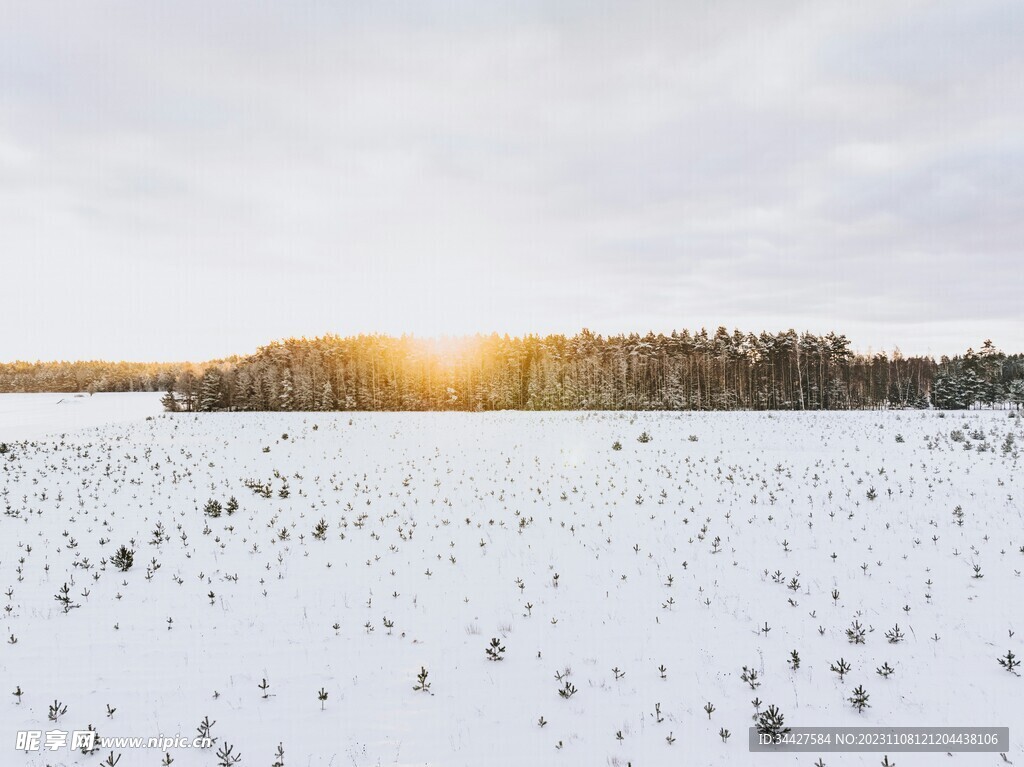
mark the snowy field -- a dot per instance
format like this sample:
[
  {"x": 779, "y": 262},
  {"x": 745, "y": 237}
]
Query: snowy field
[
  {"x": 30, "y": 416},
  {"x": 627, "y": 588}
]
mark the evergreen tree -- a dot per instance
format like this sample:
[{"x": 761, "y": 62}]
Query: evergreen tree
[
  {"x": 1015, "y": 392},
  {"x": 304, "y": 392},
  {"x": 210, "y": 391},
  {"x": 286, "y": 395},
  {"x": 326, "y": 401},
  {"x": 169, "y": 401}
]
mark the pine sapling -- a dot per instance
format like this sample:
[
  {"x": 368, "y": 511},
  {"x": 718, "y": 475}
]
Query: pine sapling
[
  {"x": 771, "y": 722},
  {"x": 859, "y": 699},
  {"x": 63, "y": 598},
  {"x": 203, "y": 731},
  {"x": 749, "y": 676},
  {"x": 422, "y": 685},
  {"x": 322, "y": 697},
  {"x": 709, "y": 707},
  {"x": 856, "y": 633},
  {"x": 496, "y": 651},
  {"x": 227, "y": 756},
  {"x": 794, "y": 660},
  {"x": 57, "y": 710},
  {"x": 123, "y": 559},
  {"x": 841, "y": 667},
  {"x": 91, "y": 744},
  {"x": 159, "y": 535},
  {"x": 885, "y": 670},
  {"x": 1009, "y": 662}
]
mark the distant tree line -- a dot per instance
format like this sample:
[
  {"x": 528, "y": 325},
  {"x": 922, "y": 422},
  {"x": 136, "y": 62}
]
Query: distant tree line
[
  {"x": 92, "y": 376},
  {"x": 680, "y": 371}
]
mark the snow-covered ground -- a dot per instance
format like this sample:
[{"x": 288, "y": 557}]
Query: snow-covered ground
[
  {"x": 588, "y": 563},
  {"x": 29, "y": 416}
]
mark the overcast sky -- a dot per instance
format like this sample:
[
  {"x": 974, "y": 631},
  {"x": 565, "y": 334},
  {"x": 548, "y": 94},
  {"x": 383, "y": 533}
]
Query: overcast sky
[{"x": 186, "y": 180}]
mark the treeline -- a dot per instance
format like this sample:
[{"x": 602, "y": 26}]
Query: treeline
[
  {"x": 92, "y": 376},
  {"x": 680, "y": 371}
]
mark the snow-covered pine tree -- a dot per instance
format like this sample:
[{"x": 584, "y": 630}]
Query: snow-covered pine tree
[
  {"x": 304, "y": 392},
  {"x": 326, "y": 400},
  {"x": 169, "y": 401},
  {"x": 286, "y": 391},
  {"x": 210, "y": 391}
]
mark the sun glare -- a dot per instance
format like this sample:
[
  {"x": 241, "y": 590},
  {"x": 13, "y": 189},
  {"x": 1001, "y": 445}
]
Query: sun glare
[{"x": 449, "y": 351}]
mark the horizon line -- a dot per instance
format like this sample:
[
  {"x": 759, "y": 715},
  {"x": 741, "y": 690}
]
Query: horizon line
[{"x": 479, "y": 335}]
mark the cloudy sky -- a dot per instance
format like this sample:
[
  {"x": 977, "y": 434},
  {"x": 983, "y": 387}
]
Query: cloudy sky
[{"x": 185, "y": 180}]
